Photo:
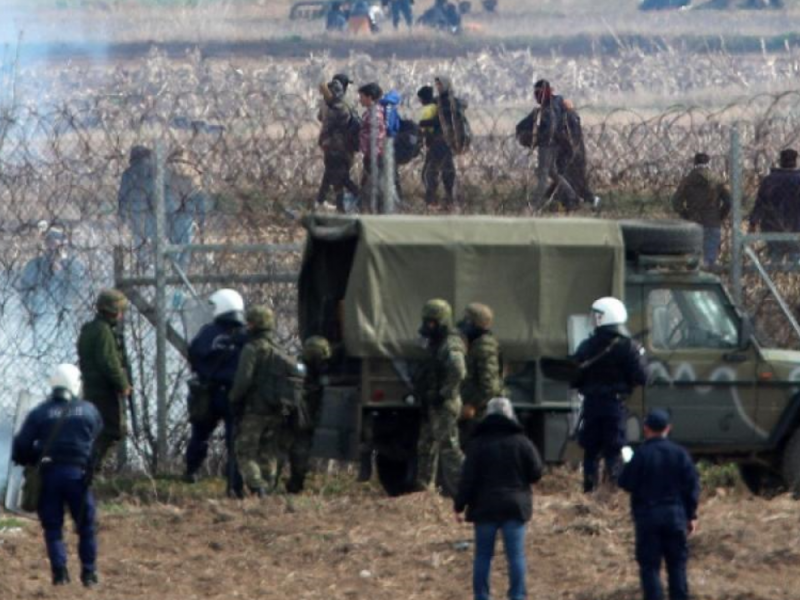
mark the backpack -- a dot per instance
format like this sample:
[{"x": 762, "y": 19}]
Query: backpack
[
  {"x": 353, "y": 132},
  {"x": 525, "y": 132},
  {"x": 457, "y": 132},
  {"x": 407, "y": 142},
  {"x": 390, "y": 102}
]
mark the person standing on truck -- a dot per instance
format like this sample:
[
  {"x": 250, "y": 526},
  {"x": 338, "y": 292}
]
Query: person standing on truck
[
  {"x": 611, "y": 365},
  {"x": 57, "y": 439},
  {"x": 702, "y": 198},
  {"x": 106, "y": 371},
  {"x": 263, "y": 399},
  {"x": 665, "y": 490},
  {"x": 438, "y": 156},
  {"x": 439, "y": 393},
  {"x": 316, "y": 355},
  {"x": 214, "y": 356},
  {"x": 484, "y": 380},
  {"x": 777, "y": 207},
  {"x": 495, "y": 491}
]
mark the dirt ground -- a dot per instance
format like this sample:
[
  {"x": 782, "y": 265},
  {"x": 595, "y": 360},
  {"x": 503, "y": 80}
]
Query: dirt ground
[{"x": 359, "y": 544}]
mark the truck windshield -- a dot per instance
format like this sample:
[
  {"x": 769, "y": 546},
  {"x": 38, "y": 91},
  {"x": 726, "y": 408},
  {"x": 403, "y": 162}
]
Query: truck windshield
[{"x": 690, "y": 318}]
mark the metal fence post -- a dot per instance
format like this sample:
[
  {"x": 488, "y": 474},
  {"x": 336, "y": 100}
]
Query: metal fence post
[
  {"x": 161, "y": 310},
  {"x": 389, "y": 186},
  {"x": 373, "y": 157},
  {"x": 736, "y": 191}
]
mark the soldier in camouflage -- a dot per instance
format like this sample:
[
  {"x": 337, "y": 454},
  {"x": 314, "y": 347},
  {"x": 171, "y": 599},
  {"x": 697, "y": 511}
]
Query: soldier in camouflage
[
  {"x": 316, "y": 354},
  {"x": 263, "y": 399},
  {"x": 105, "y": 368},
  {"x": 484, "y": 380},
  {"x": 439, "y": 392}
]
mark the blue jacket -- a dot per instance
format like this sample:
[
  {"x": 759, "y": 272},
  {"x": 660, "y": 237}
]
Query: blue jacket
[
  {"x": 75, "y": 441},
  {"x": 615, "y": 373},
  {"x": 661, "y": 474},
  {"x": 214, "y": 352}
]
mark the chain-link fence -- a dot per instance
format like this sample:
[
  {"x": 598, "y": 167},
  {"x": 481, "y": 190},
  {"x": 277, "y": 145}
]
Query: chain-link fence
[{"x": 250, "y": 162}]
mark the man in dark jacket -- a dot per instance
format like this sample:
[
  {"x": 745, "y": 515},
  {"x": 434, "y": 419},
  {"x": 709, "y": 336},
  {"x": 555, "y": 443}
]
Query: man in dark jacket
[
  {"x": 495, "y": 491},
  {"x": 777, "y": 207},
  {"x": 438, "y": 156},
  {"x": 702, "y": 198},
  {"x": 57, "y": 437},
  {"x": 214, "y": 356},
  {"x": 665, "y": 490},
  {"x": 136, "y": 199},
  {"x": 106, "y": 370},
  {"x": 552, "y": 134},
  {"x": 338, "y": 140},
  {"x": 612, "y": 366}
]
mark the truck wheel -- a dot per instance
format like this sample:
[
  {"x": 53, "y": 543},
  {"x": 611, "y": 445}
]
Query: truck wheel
[
  {"x": 661, "y": 237},
  {"x": 790, "y": 463},
  {"x": 760, "y": 480},
  {"x": 396, "y": 475}
]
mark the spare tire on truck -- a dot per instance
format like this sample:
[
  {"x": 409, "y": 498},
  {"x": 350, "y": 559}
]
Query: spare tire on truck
[{"x": 661, "y": 237}]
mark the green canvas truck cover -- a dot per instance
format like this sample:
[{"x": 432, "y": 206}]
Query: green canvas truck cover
[{"x": 534, "y": 273}]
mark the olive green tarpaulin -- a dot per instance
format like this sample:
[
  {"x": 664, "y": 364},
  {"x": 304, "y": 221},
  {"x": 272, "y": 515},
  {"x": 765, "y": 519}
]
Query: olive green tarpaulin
[{"x": 534, "y": 273}]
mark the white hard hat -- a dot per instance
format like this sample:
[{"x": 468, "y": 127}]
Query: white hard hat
[
  {"x": 225, "y": 301},
  {"x": 67, "y": 377},
  {"x": 609, "y": 311}
]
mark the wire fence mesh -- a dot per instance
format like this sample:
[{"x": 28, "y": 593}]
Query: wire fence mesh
[{"x": 251, "y": 155}]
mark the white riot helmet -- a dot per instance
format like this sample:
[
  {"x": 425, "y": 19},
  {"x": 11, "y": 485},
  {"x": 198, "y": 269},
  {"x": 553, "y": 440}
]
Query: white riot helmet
[
  {"x": 609, "y": 311},
  {"x": 228, "y": 301},
  {"x": 66, "y": 377}
]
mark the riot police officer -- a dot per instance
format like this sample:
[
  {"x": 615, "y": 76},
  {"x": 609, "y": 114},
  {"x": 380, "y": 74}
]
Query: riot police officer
[
  {"x": 665, "y": 490},
  {"x": 611, "y": 366},
  {"x": 214, "y": 356},
  {"x": 57, "y": 438}
]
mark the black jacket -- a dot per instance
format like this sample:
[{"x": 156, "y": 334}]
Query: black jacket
[
  {"x": 661, "y": 474},
  {"x": 500, "y": 466},
  {"x": 777, "y": 206}
]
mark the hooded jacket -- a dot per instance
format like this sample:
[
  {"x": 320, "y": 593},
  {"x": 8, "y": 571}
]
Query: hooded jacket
[
  {"x": 777, "y": 206},
  {"x": 500, "y": 466}
]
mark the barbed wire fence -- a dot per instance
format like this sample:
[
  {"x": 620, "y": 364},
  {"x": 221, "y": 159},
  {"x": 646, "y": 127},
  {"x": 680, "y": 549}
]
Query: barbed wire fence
[{"x": 253, "y": 155}]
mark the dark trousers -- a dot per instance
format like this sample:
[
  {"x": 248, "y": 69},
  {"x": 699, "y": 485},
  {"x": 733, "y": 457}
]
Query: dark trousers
[
  {"x": 661, "y": 533},
  {"x": 401, "y": 8},
  {"x": 62, "y": 486},
  {"x": 197, "y": 450},
  {"x": 337, "y": 176},
  {"x": 602, "y": 436},
  {"x": 439, "y": 163}
]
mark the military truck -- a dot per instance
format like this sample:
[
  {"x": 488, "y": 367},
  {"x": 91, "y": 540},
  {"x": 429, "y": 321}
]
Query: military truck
[{"x": 364, "y": 280}]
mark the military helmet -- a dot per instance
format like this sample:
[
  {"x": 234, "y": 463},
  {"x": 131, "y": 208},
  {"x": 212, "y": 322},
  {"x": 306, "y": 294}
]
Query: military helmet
[
  {"x": 316, "y": 348},
  {"x": 260, "y": 317},
  {"x": 438, "y": 310},
  {"x": 111, "y": 302},
  {"x": 480, "y": 314}
]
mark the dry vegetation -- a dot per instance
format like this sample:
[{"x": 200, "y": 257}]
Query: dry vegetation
[{"x": 358, "y": 544}]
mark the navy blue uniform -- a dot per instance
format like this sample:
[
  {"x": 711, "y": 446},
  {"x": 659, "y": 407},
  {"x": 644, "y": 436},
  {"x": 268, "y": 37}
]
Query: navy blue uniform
[
  {"x": 63, "y": 471},
  {"x": 665, "y": 490},
  {"x": 604, "y": 385},
  {"x": 214, "y": 356}
]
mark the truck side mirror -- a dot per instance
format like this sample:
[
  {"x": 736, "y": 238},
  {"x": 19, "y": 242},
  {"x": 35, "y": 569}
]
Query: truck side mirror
[{"x": 745, "y": 332}]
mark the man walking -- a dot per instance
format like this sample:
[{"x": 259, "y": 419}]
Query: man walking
[
  {"x": 665, "y": 490},
  {"x": 777, "y": 208},
  {"x": 106, "y": 371},
  {"x": 338, "y": 140},
  {"x": 438, "y": 156},
  {"x": 440, "y": 394},
  {"x": 702, "y": 198}
]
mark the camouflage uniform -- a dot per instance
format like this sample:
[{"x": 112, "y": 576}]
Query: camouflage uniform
[
  {"x": 316, "y": 353},
  {"x": 106, "y": 373},
  {"x": 484, "y": 380},
  {"x": 263, "y": 397},
  {"x": 440, "y": 394}
]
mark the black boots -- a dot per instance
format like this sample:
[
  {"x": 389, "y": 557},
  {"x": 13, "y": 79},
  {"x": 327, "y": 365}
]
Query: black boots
[
  {"x": 89, "y": 578},
  {"x": 60, "y": 576}
]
